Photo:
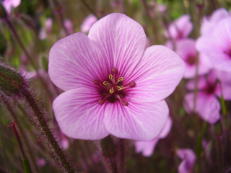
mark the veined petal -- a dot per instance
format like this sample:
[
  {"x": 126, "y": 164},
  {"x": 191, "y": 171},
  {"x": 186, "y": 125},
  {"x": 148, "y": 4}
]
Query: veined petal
[
  {"x": 157, "y": 75},
  {"x": 138, "y": 121},
  {"x": 75, "y": 60},
  {"x": 79, "y": 115},
  {"x": 121, "y": 40}
]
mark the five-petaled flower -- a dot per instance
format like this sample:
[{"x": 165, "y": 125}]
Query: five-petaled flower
[{"x": 113, "y": 84}]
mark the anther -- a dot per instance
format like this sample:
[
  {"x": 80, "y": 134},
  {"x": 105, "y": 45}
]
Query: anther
[
  {"x": 119, "y": 88},
  {"x": 120, "y": 79},
  {"x": 106, "y": 83},
  {"x": 111, "y": 78},
  {"x": 111, "y": 90}
]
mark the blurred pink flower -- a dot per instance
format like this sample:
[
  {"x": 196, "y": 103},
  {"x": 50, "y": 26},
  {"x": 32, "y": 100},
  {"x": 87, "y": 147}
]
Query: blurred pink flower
[
  {"x": 148, "y": 147},
  {"x": 87, "y": 23},
  {"x": 180, "y": 28},
  {"x": 41, "y": 162},
  {"x": 46, "y": 29},
  {"x": 112, "y": 83},
  {"x": 207, "y": 104},
  {"x": 188, "y": 160},
  {"x": 209, "y": 22},
  {"x": 216, "y": 44},
  {"x": 186, "y": 49},
  {"x": 10, "y": 4},
  {"x": 69, "y": 25}
]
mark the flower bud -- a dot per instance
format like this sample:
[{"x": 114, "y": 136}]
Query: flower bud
[{"x": 11, "y": 82}]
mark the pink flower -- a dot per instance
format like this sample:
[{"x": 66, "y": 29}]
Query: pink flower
[
  {"x": 69, "y": 25},
  {"x": 46, "y": 29},
  {"x": 112, "y": 83},
  {"x": 188, "y": 160},
  {"x": 180, "y": 28},
  {"x": 207, "y": 104},
  {"x": 87, "y": 23},
  {"x": 148, "y": 147},
  {"x": 40, "y": 162},
  {"x": 187, "y": 50},
  {"x": 9, "y": 4},
  {"x": 216, "y": 45},
  {"x": 210, "y": 22}
]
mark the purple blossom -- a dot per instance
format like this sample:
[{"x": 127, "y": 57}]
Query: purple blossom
[
  {"x": 188, "y": 160},
  {"x": 10, "y": 4},
  {"x": 69, "y": 25},
  {"x": 46, "y": 29},
  {"x": 209, "y": 23},
  {"x": 87, "y": 23},
  {"x": 206, "y": 103},
  {"x": 148, "y": 147},
  {"x": 215, "y": 45},
  {"x": 180, "y": 28},
  {"x": 113, "y": 84},
  {"x": 187, "y": 50}
]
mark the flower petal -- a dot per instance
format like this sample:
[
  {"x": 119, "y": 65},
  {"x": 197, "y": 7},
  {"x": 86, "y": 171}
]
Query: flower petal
[
  {"x": 121, "y": 39},
  {"x": 138, "y": 121},
  {"x": 157, "y": 75},
  {"x": 207, "y": 107},
  {"x": 79, "y": 115},
  {"x": 146, "y": 147},
  {"x": 75, "y": 60}
]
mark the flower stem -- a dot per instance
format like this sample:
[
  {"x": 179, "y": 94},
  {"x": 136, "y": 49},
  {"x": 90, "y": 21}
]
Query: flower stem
[
  {"x": 58, "y": 13},
  {"x": 89, "y": 8},
  {"x": 45, "y": 129},
  {"x": 109, "y": 153},
  {"x": 29, "y": 57},
  {"x": 26, "y": 163},
  {"x": 22, "y": 132}
]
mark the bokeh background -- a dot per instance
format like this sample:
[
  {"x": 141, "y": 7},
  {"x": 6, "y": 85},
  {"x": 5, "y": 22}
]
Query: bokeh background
[{"x": 38, "y": 25}]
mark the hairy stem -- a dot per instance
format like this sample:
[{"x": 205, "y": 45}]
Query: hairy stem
[{"x": 45, "y": 129}]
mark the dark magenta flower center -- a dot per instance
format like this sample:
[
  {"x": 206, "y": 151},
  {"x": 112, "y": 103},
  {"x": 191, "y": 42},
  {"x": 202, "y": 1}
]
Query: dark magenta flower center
[
  {"x": 114, "y": 88},
  {"x": 191, "y": 60},
  {"x": 228, "y": 53},
  {"x": 210, "y": 88}
]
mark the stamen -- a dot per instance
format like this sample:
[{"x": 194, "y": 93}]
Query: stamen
[
  {"x": 111, "y": 90},
  {"x": 114, "y": 71},
  {"x": 106, "y": 83},
  {"x": 120, "y": 79},
  {"x": 111, "y": 77},
  {"x": 119, "y": 88},
  {"x": 131, "y": 84},
  {"x": 122, "y": 100}
]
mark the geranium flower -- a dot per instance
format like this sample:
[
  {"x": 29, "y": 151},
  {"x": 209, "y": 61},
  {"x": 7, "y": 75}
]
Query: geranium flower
[
  {"x": 148, "y": 147},
  {"x": 46, "y": 29},
  {"x": 87, "y": 23},
  {"x": 112, "y": 83},
  {"x": 209, "y": 22},
  {"x": 186, "y": 49},
  {"x": 9, "y": 4},
  {"x": 207, "y": 105},
  {"x": 180, "y": 28},
  {"x": 188, "y": 160},
  {"x": 216, "y": 45}
]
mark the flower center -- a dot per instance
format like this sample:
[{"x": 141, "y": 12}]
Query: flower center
[
  {"x": 114, "y": 88},
  {"x": 210, "y": 88},
  {"x": 191, "y": 60},
  {"x": 228, "y": 53}
]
